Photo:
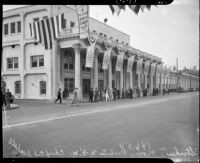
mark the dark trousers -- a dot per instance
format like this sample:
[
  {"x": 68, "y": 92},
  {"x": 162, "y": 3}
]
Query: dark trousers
[
  {"x": 90, "y": 99},
  {"x": 4, "y": 101},
  {"x": 58, "y": 98}
]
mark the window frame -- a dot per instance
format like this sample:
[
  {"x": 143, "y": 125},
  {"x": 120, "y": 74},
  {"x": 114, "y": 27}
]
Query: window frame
[
  {"x": 19, "y": 22},
  {"x": 43, "y": 86},
  {"x": 69, "y": 61},
  {"x": 37, "y": 60},
  {"x": 14, "y": 61},
  {"x": 12, "y": 28},
  {"x": 68, "y": 82},
  {"x": 20, "y": 86},
  {"x": 5, "y": 29}
]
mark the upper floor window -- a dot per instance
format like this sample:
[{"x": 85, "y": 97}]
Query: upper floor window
[
  {"x": 12, "y": 27},
  {"x": 72, "y": 24},
  {"x": 68, "y": 60},
  {"x": 100, "y": 63},
  {"x": 37, "y": 61},
  {"x": 42, "y": 87},
  {"x": 5, "y": 29},
  {"x": 18, "y": 87},
  {"x": 12, "y": 63},
  {"x": 36, "y": 19},
  {"x": 18, "y": 27}
]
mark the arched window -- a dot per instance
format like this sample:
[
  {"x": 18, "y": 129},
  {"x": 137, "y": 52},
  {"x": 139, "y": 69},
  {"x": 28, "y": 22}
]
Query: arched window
[
  {"x": 43, "y": 87},
  {"x": 18, "y": 87}
]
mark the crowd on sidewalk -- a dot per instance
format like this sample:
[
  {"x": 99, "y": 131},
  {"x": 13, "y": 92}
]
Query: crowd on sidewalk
[{"x": 96, "y": 94}]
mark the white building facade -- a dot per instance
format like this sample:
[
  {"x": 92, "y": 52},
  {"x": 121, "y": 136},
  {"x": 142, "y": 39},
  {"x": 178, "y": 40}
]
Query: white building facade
[{"x": 33, "y": 72}]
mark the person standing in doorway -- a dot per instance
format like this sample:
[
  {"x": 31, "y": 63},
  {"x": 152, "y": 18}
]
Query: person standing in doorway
[{"x": 59, "y": 96}]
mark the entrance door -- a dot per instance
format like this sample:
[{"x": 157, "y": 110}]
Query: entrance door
[{"x": 86, "y": 87}]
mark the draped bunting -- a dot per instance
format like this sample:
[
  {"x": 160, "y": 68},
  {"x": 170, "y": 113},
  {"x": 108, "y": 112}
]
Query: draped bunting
[
  {"x": 92, "y": 38},
  {"x": 146, "y": 67},
  {"x": 119, "y": 63},
  {"x": 130, "y": 63},
  {"x": 139, "y": 66},
  {"x": 158, "y": 70},
  {"x": 153, "y": 68},
  {"x": 83, "y": 18},
  {"x": 106, "y": 59}
]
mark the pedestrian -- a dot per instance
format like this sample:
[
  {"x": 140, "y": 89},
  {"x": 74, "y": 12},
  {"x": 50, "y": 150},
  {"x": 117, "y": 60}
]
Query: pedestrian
[
  {"x": 101, "y": 94},
  {"x": 95, "y": 95},
  {"x": 118, "y": 93},
  {"x": 122, "y": 93},
  {"x": 163, "y": 91},
  {"x": 114, "y": 93},
  {"x": 59, "y": 96},
  {"x": 75, "y": 98},
  {"x": 107, "y": 95},
  {"x": 91, "y": 95},
  {"x": 67, "y": 94},
  {"x": 131, "y": 93},
  {"x": 8, "y": 98},
  {"x": 3, "y": 98},
  {"x": 64, "y": 94}
]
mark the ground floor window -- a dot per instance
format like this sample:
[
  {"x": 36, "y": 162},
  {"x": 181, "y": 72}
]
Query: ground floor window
[
  {"x": 42, "y": 87},
  {"x": 69, "y": 84},
  {"x": 18, "y": 87}
]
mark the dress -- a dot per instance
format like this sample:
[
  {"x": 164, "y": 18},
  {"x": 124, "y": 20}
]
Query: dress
[{"x": 75, "y": 98}]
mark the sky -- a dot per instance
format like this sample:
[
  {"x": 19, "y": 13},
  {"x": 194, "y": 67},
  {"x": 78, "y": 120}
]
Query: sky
[{"x": 166, "y": 31}]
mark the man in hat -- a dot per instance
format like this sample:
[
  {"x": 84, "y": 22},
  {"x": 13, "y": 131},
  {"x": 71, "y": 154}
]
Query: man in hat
[
  {"x": 59, "y": 96},
  {"x": 91, "y": 95}
]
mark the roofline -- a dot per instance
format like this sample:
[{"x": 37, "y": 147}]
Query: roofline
[{"x": 17, "y": 8}]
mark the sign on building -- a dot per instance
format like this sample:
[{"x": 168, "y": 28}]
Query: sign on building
[{"x": 83, "y": 18}]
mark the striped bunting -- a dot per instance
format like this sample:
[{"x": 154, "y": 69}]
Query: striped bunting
[{"x": 47, "y": 30}]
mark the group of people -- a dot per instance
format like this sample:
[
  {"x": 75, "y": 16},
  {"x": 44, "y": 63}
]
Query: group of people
[
  {"x": 109, "y": 94},
  {"x": 6, "y": 98},
  {"x": 65, "y": 96},
  {"x": 156, "y": 91}
]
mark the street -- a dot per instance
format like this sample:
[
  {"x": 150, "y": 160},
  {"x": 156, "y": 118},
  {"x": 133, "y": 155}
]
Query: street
[{"x": 163, "y": 126}]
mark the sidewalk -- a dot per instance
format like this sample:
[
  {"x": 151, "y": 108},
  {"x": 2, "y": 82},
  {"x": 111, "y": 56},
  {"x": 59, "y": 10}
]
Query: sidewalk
[{"x": 31, "y": 110}]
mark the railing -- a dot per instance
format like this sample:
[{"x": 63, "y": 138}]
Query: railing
[{"x": 69, "y": 32}]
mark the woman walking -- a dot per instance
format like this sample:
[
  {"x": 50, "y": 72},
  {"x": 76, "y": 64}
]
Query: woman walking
[
  {"x": 75, "y": 98},
  {"x": 107, "y": 96}
]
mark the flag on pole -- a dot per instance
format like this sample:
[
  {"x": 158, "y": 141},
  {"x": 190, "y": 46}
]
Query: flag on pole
[
  {"x": 142, "y": 7},
  {"x": 135, "y": 8},
  {"x": 116, "y": 8}
]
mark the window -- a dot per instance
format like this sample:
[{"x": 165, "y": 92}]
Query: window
[
  {"x": 72, "y": 24},
  {"x": 18, "y": 87},
  {"x": 5, "y": 29},
  {"x": 35, "y": 19},
  {"x": 12, "y": 27},
  {"x": 37, "y": 61},
  {"x": 12, "y": 63},
  {"x": 42, "y": 87},
  {"x": 69, "y": 84},
  {"x": 68, "y": 60},
  {"x": 113, "y": 66},
  {"x": 18, "y": 27},
  {"x": 100, "y": 63}
]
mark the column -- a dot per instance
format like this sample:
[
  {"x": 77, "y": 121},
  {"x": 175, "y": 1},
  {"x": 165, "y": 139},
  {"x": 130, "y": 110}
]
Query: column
[
  {"x": 23, "y": 59},
  {"x": 110, "y": 75},
  {"x": 145, "y": 81},
  {"x": 78, "y": 72},
  {"x": 139, "y": 81},
  {"x": 161, "y": 82},
  {"x": 131, "y": 79},
  {"x": 95, "y": 72}
]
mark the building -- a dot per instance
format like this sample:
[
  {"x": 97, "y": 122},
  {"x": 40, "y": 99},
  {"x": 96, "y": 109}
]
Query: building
[{"x": 32, "y": 72}]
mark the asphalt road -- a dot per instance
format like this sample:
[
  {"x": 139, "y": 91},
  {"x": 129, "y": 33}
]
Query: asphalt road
[{"x": 153, "y": 127}]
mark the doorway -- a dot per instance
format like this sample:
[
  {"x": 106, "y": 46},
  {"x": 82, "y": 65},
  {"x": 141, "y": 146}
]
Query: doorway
[{"x": 86, "y": 87}]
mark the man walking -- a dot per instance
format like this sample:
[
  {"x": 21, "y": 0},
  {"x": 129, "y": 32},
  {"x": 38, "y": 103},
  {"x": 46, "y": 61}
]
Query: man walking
[
  {"x": 59, "y": 96},
  {"x": 91, "y": 95},
  {"x": 8, "y": 98}
]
